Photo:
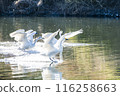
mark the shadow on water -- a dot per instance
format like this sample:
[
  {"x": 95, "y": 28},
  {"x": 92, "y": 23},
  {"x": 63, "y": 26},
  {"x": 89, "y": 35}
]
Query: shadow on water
[{"x": 101, "y": 61}]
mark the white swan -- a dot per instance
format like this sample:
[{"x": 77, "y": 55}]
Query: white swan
[
  {"x": 67, "y": 35},
  {"x": 53, "y": 46},
  {"x": 25, "y": 38},
  {"x": 49, "y": 48}
]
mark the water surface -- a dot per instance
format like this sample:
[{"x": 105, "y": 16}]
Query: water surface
[{"x": 93, "y": 55}]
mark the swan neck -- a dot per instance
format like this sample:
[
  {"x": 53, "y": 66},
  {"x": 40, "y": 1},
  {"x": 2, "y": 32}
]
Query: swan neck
[{"x": 60, "y": 42}]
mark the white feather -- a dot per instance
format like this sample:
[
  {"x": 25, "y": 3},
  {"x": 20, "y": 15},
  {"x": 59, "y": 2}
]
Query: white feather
[{"x": 72, "y": 34}]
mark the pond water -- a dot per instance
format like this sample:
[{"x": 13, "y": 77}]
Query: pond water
[{"x": 92, "y": 55}]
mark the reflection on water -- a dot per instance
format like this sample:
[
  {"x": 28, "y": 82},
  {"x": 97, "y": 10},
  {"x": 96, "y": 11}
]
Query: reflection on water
[
  {"x": 50, "y": 73},
  {"x": 94, "y": 54}
]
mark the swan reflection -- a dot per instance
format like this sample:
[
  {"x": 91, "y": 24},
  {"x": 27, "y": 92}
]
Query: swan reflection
[
  {"x": 41, "y": 70},
  {"x": 51, "y": 73}
]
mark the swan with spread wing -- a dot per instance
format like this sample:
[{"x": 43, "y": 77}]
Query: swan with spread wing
[
  {"x": 25, "y": 38},
  {"x": 53, "y": 46}
]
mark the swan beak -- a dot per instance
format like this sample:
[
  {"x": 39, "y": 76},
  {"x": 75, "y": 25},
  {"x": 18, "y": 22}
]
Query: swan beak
[{"x": 66, "y": 39}]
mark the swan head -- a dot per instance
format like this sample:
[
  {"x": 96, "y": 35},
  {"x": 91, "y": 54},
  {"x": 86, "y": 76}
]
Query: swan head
[{"x": 60, "y": 33}]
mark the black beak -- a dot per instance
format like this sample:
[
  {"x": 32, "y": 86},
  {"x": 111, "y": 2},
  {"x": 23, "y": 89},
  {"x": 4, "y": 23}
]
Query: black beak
[{"x": 66, "y": 39}]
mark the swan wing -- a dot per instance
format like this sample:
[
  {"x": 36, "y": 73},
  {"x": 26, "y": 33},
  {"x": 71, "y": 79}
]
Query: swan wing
[
  {"x": 18, "y": 35},
  {"x": 13, "y": 34},
  {"x": 46, "y": 35},
  {"x": 50, "y": 39},
  {"x": 29, "y": 31},
  {"x": 72, "y": 34}
]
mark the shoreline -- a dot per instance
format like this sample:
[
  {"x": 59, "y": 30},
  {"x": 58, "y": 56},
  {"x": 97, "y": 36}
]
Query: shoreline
[
  {"x": 63, "y": 8},
  {"x": 60, "y": 16}
]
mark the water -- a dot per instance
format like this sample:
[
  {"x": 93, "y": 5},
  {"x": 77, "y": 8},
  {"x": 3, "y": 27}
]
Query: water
[{"x": 93, "y": 55}]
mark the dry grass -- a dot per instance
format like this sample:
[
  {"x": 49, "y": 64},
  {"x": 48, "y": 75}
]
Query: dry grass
[{"x": 62, "y": 7}]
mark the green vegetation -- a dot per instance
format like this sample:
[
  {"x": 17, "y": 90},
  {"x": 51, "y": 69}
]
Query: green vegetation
[{"x": 109, "y": 8}]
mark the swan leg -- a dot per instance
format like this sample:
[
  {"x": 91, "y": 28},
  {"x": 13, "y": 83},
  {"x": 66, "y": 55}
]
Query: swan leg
[
  {"x": 51, "y": 59},
  {"x": 61, "y": 57},
  {"x": 50, "y": 64}
]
